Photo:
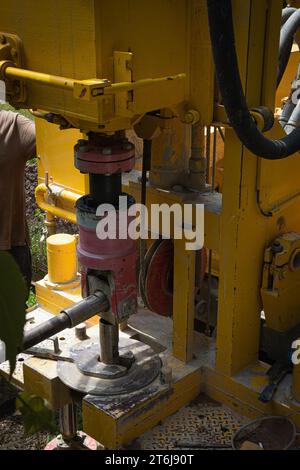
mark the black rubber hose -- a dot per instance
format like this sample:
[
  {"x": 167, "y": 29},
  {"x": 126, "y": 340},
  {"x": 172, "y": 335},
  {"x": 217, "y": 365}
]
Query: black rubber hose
[
  {"x": 294, "y": 120},
  {"x": 229, "y": 81},
  {"x": 286, "y": 113},
  {"x": 284, "y": 56},
  {"x": 287, "y": 33},
  {"x": 286, "y": 13}
]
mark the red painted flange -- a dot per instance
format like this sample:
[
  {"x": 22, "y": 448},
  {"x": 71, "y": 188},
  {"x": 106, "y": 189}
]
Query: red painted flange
[
  {"x": 157, "y": 287},
  {"x": 110, "y": 157},
  {"x": 82, "y": 442}
]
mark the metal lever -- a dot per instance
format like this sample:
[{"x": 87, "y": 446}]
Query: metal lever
[{"x": 276, "y": 373}]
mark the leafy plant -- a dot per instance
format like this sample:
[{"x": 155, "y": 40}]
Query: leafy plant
[
  {"x": 37, "y": 414},
  {"x": 35, "y": 411},
  {"x": 31, "y": 301}
]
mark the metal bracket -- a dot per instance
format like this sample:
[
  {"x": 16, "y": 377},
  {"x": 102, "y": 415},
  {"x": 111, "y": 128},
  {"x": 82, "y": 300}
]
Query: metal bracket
[{"x": 12, "y": 53}]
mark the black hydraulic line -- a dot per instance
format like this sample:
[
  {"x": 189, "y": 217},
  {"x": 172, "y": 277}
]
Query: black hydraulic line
[
  {"x": 68, "y": 318},
  {"x": 286, "y": 13},
  {"x": 294, "y": 120},
  {"x": 285, "y": 55},
  {"x": 287, "y": 111},
  {"x": 229, "y": 82},
  {"x": 287, "y": 33},
  {"x": 291, "y": 102}
]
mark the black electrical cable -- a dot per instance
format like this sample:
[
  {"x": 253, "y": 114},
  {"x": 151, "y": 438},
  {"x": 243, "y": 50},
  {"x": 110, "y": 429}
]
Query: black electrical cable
[{"x": 229, "y": 81}]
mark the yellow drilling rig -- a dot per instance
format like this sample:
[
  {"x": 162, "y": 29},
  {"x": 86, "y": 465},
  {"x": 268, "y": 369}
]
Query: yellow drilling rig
[{"x": 208, "y": 90}]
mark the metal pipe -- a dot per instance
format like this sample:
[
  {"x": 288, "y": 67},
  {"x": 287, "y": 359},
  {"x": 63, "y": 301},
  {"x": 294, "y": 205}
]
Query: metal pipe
[
  {"x": 147, "y": 152},
  {"x": 109, "y": 342},
  {"x": 106, "y": 188},
  {"x": 131, "y": 86},
  {"x": 207, "y": 152},
  {"x": 41, "y": 78},
  {"x": 213, "y": 178},
  {"x": 64, "y": 197},
  {"x": 68, "y": 318},
  {"x": 214, "y": 161},
  {"x": 67, "y": 422},
  {"x": 198, "y": 161}
]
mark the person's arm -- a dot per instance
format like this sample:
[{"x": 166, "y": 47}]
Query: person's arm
[{"x": 26, "y": 131}]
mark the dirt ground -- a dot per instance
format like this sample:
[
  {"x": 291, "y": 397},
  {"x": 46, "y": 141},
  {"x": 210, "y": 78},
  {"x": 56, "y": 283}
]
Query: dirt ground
[{"x": 12, "y": 435}]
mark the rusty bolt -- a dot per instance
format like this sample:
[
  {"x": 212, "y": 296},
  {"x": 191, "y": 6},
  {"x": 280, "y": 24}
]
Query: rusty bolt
[{"x": 107, "y": 151}]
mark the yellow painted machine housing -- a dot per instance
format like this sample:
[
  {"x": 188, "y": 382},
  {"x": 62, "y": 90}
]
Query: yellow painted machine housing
[
  {"x": 55, "y": 149},
  {"x": 76, "y": 39},
  {"x": 281, "y": 282}
]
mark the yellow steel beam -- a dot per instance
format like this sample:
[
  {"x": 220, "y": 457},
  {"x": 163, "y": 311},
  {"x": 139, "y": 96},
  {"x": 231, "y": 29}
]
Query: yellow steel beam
[
  {"x": 183, "y": 301},
  {"x": 241, "y": 256}
]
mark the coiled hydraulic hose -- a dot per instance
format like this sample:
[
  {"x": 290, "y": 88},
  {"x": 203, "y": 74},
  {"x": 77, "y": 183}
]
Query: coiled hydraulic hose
[
  {"x": 229, "y": 81},
  {"x": 287, "y": 33}
]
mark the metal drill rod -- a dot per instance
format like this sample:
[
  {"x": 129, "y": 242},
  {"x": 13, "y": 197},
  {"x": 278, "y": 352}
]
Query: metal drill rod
[
  {"x": 109, "y": 342},
  {"x": 67, "y": 422},
  {"x": 68, "y": 318},
  {"x": 213, "y": 179},
  {"x": 146, "y": 167}
]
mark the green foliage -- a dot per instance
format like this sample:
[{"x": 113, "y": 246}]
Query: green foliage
[
  {"x": 37, "y": 414},
  {"x": 12, "y": 306},
  {"x": 38, "y": 252},
  {"x": 31, "y": 301}
]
